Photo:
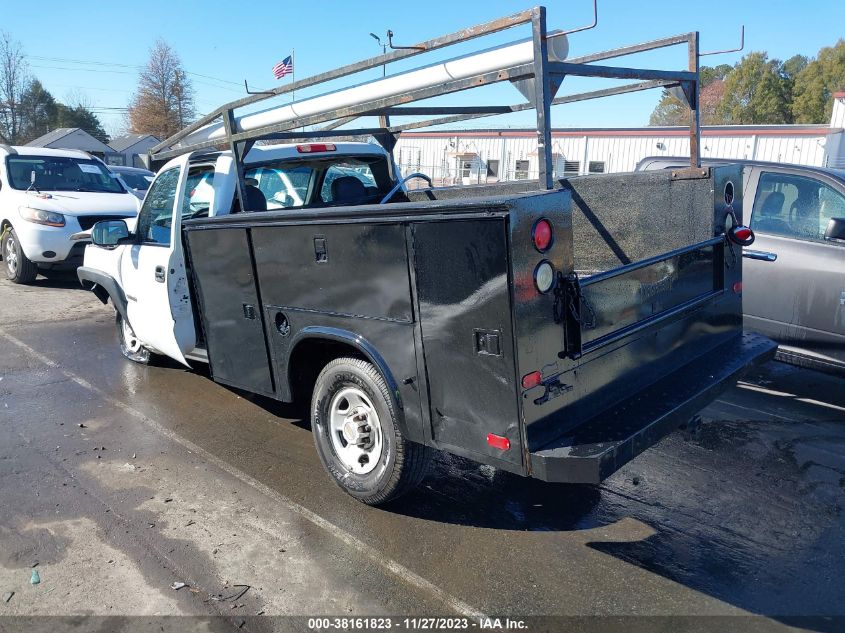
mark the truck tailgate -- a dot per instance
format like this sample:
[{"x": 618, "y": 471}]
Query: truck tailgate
[
  {"x": 644, "y": 323},
  {"x": 603, "y": 444}
]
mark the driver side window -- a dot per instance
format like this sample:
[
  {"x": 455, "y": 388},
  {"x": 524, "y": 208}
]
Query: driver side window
[{"x": 156, "y": 216}]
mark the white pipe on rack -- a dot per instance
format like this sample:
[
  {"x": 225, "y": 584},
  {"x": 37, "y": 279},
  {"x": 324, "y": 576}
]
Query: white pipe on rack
[{"x": 486, "y": 61}]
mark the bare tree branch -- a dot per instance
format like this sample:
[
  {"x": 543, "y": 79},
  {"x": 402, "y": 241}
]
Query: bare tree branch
[
  {"x": 14, "y": 79},
  {"x": 164, "y": 101}
]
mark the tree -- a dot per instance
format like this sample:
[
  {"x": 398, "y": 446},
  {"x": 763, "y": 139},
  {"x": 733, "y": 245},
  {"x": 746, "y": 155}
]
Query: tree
[
  {"x": 709, "y": 99},
  {"x": 38, "y": 112},
  {"x": 81, "y": 117},
  {"x": 756, "y": 92},
  {"x": 815, "y": 84},
  {"x": 164, "y": 101},
  {"x": 14, "y": 80},
  {"x": 671, "y": 111}
]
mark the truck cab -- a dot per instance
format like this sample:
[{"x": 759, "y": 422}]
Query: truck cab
[{"x": 144, "y": 272}]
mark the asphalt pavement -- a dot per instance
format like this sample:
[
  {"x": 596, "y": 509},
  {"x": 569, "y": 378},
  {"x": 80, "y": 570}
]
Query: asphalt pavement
[{"x": 119, "y": 480}]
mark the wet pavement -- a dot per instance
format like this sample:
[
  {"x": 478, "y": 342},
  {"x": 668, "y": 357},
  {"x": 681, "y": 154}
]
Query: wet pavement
[{"x": 119, "y": 480}]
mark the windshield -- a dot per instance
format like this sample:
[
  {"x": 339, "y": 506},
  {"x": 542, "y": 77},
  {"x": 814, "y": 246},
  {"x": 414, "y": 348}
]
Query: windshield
[
  {"x": 137, "y": 181},
  {"x": 61, "y": 173}
]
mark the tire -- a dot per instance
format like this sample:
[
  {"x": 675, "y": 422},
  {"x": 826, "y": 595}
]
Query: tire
[
  {"x": 18, "y": 267},
  {"x": 381, "y": 465},
  {"x": 130, "y": 346}
]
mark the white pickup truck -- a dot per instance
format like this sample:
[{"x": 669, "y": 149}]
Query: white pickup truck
[
  {"x": 144, "y": 272},
  {"x": 48, "y": 195}
]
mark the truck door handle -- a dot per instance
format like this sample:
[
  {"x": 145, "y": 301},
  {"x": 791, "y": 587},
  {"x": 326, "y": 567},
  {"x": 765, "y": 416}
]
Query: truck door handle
[
  {"x": 763, "y": 256},
  {"x": 160, "y": 274}
]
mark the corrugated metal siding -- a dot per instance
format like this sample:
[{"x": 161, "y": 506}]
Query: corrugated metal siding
[{"x": 441, "y": 156}]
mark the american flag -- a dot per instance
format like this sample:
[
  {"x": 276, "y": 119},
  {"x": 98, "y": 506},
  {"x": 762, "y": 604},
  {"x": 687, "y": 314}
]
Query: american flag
[{"x": 283, "y": 67}]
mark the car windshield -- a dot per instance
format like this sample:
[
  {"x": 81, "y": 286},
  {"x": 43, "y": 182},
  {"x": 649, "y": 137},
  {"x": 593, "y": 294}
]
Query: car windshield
[
  {"x": 61, "y": 173},
  {"x": 137, "y": 181}
]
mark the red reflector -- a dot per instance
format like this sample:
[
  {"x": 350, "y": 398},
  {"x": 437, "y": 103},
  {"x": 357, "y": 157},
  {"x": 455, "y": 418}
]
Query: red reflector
[
  {"x": 315, "y": 147},
  {"x": 497, "y": 441},
  {"x": 742, "y": 233},
  {"x": 737, "y": 288},
  {"x": 542, "y": 235},
  {"x": 529, "y": 381}
]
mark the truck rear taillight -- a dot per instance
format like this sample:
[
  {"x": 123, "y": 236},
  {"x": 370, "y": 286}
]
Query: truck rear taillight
[
  {"x": 544, "y": 276},
  {"x": 310, "y": 148},
  {"x": 497, "y": 441},
  {"x": 741, "y": 235},
  {"x": 542, "y": 235},
  {"x": 529, "y": 381}
]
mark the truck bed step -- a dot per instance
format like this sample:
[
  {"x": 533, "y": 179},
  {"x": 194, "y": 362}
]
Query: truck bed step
[{"x": 591, "y": 452}]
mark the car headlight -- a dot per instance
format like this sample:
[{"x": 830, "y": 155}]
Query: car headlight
[{"x": 40, "y": 216}]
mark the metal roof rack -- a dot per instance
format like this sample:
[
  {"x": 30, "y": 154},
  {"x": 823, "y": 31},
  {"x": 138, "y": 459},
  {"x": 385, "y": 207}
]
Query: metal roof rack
[{"x": 685, "y": 85}]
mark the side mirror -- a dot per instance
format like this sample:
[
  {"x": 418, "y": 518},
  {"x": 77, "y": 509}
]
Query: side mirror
[
  {"x": 109, "y": 232},
  {"x": 835, "y": 229}
]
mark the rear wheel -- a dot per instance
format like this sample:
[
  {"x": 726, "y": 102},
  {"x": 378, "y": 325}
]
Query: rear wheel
[
  {"x": 19, "y": 268},
  {"x": 357, "y": 436},
  {"x": 130, "y": 346}
]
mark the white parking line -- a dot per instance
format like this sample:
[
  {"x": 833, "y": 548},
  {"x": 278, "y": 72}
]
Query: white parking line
[
  {"x": 377, "y": 557},
  {"x": 760, "y": 411},
  {"x": 784, "y": 394}
]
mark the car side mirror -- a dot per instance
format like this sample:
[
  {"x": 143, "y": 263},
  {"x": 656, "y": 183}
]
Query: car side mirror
[
  {"x": 109, "y": 232},
  {"x": 835, "y": 229}
]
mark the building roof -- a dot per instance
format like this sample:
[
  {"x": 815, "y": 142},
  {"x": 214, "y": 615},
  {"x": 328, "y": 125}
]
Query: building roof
[
  {"x": 716, "y": 130},
  {"x": 123, "y": 143},
  {"x": 71, "y": 138},
  {"x": 52, "y": 137}
]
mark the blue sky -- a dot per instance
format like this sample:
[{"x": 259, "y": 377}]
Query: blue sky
[{"x": 222, "y": 42}]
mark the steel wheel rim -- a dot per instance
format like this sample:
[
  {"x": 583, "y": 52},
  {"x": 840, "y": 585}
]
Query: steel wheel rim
[
  {"x": 355, "y": 431},
  {"x": 131, "y": 341},
  {"x": 11, "y": 255}
]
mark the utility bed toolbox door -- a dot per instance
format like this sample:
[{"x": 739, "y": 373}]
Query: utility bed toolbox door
[
  {"x": 221, "y": 259},
  {"x": 462, "y": 287}
]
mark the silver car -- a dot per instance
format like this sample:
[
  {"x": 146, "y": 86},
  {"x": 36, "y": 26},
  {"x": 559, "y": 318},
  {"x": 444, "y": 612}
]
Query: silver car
[
  {"x": 135, "y": 179},
  {"x": 794, "y": 273}
]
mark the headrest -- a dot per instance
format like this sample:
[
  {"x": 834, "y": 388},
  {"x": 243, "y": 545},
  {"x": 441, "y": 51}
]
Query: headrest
[{"x": 347, "y": 188}]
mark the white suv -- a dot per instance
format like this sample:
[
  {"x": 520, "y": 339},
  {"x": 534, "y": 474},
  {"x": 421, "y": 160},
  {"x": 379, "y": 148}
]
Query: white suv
[{"x": 47, "y": 195}]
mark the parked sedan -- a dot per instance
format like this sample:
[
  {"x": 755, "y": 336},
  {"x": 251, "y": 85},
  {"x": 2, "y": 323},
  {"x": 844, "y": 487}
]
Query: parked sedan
[
  {"x": 794, "y": 273},
  {"x": 137, "y": 180}
]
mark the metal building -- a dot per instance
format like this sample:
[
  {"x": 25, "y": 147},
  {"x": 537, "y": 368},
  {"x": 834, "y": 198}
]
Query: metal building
[
  {"x": 490, "y": 155},
  {"x": 130, "y": 147}
]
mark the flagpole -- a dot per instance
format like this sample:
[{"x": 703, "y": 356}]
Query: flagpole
[{"x": 292, "y": 73}]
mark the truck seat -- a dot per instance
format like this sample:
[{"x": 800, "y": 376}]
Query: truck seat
[
  {"x": 768, "y": 221},
  {"x": 348, "y": 189}
]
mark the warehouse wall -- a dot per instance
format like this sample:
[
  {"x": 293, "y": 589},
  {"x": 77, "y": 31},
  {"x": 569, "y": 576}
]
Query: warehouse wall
[{"x": 477, "y": 156}]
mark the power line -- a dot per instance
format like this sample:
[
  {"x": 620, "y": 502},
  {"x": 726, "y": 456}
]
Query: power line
[{"x": 117, "y": 65}]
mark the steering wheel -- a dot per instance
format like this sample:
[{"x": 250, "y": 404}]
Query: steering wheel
[{"x": 399, "y": 184}]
